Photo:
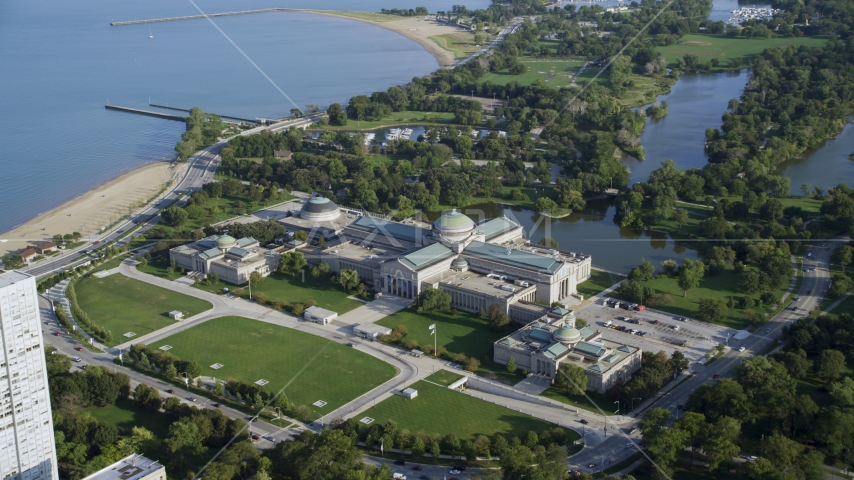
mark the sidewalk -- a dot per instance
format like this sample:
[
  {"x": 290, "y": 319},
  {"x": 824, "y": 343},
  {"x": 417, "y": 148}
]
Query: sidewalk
[{"x": 57, "y": 293}]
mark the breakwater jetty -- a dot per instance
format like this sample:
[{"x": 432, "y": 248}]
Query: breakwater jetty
[
  {"x": 167, "y": 116},
  {"x": 195, "y": 17},
  {"x": 224, "y": 117}
]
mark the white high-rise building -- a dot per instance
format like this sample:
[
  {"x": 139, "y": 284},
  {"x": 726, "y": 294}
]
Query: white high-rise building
[{"x": 27, "y": 451}]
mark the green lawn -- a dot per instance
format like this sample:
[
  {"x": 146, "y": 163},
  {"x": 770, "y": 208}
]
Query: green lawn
[
  {"x": 444, "y": 377},
  {"x": 596, "y": 401},
  {"x": 224, "y": 208},
  {"x": 707, "y": 46},
  {"x": 296, "y": 289},
  {"x": 599, "y": 281},
  {"x": 555, "y": 73},
  {"x": 121, "y": 304},
  {"x": 461, "y": 44},
  {"x": 460, "y": 333},
  {"x": 313, "y": 368},
  {"x": 810, "y": 205},
  {"x": 721, "y": 287},
  {"x": 442, "y": 411},
  {"x": 847, "y": 306}
]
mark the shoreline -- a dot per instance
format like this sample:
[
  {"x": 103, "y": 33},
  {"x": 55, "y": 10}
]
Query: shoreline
[
  {"x": 407, "y": 27},
  {"x": 94, "y": 208}
]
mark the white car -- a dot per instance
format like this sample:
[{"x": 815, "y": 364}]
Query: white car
[
  {"x": 455, "y": 472},
  {"x": 767, "y": 330},
  {"x": 741, "y": 349}
]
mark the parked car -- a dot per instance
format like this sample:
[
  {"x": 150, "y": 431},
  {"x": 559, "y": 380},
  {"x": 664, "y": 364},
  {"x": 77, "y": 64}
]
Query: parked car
[
  {"x": 675, "y": 327},
  {"x": 767, "y": 330},
  {"x": 96, "y": 242},
  {"x": 399, "y": 462},
  {"x": 682, "y": 319},
  {"x": 351, "y": 344},
  {"x": 455, "y": 472},
  {"x": 76, "y": 359},
  {"x": 640, "y": 308},
  {"x": 741, "y": 349},
  {"x": 715, "y": 376},
  {"x": 56, "y": 334},
  {"x": 255, "y": 436}
]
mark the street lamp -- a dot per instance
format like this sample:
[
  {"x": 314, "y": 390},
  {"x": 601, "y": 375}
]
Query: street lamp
[
  {"x": 278, "y": 414},
  {"x": 321, "y": 418},
  {"x": 618, "y": 407},
  {"x": 186, "y": 379}
]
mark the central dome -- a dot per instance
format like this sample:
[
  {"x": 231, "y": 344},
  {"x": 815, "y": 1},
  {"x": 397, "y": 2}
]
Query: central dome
[
  {"x": 319, "y": 209},
  {"x": 454, "y": 225},
  {"x": 225, "y": 241},
  {"x": 567, "y": 334}
]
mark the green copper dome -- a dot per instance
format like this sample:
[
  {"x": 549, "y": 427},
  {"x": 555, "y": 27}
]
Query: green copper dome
[
  {"x": 567, "y": 334},
  {"x": 225, "y": 241},
  {"x": 454, "y": 219}
]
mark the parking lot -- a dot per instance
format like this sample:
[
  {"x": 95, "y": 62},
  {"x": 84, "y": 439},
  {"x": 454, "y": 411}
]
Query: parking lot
[{"x": 693, "y": 337}]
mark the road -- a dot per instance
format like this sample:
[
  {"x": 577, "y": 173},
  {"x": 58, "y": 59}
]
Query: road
[{"x": 200, "y": 169}]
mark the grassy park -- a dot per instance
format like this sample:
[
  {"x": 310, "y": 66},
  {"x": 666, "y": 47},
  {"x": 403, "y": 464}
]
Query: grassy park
[
  {"x": 312, "y": 367},
  {"x": 720, "y": 287},
  {"x": 724, "y": 48},
  {"x": 121, "y": 304},
  {"x": 461, "y": 333},
  {"x": 296, "y": 289},
  {"x": 405, "y": 117},
  {"x": 461, "y": 44},
  {"x": 599, "y": 281},
  {"x": 556, "y": 73},
  {"x": 439, "y": 410}
]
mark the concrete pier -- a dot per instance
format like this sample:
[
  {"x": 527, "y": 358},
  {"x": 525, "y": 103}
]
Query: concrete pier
[
  {"x": 167, "y": 116},
  {"x": 195, "y": 17},
  {"x": 224, "y": 117}
]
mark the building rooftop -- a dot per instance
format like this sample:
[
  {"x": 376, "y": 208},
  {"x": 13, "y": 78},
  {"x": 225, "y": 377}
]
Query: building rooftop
[
  {"x": 483, "y": 284},
  {"x": 243, "y": 242},
  {"x": 9, "y": 277},
  {"x": 352, "y": 251},
  {"x": 517, "y": 258},
  {"x": 492, "y": 228},
  {"x": 453, "y": 219},
  {"x": 210, "y": 253},
  {"x": 319, "y": 205},
  {"x": 132, "y": 467},
  {"x": 320, "y": 312},
  {"x": 399, "y": 231},
  {"x": 425, "y": 256}
]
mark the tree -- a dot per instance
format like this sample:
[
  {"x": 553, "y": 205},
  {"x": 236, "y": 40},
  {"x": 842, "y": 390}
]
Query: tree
[
  {"x": 174, "y": 216},
  {"x": 690, "y": 274},
  {"x": 843, "y": 256},
  {"x": 292, "y": 262},
  {"x": 680, "y": 216},
  {"x": 632, "y": 290},
  {"x": 498, "y": 320},
  {"x": 184, "y": 440},
  {"x": 830, "y": 364},
  {"x": 432, "y": 299},
  {"x": 511, "y": 365},
  {"x": 348, "y": 279},
  {"x": 256, "y": 279},
  {"x": 711, "y": 309},
  {"x": 545, "y": 205},
  {"x": 336, "y": 114},
  {"x": 695, "y": 425},
  {"x": 571, "y": 378},
  {"x": 643, "y": 272},
  {"x": 549, "y": 242}
]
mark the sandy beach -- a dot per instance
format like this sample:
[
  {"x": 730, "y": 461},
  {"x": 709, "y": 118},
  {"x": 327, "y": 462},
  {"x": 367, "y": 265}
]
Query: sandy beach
[
  {"x": 95, "y": 209},
  {"x": 413, "y": 28}
]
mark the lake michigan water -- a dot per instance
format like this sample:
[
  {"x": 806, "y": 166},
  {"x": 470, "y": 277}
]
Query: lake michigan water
[{"x": 62, "y": 61}]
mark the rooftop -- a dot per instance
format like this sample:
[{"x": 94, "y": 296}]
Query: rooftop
[
  {"x": 9, "y": 277},
  {"x": 425, "y": 256},
  {"x": 400, "y": 231},
  {"x": 484, "y": 285},
  {"x": 518, "y": 258},
  {"x": 319, "y": 205},
  {"x": 320, "y": 312},
  {"x": 453, "y": 219},
  {"x": 352, "y": 251},
  {"x": 495, "y": 227},
  {"x": 132, "y": 467}
]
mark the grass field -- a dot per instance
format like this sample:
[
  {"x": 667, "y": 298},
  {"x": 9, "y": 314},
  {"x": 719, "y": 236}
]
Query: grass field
[
  {"x": 847, "y": 306},
  {"x": 121, "y": 305},
  {"x": 461, "y": 44},
  {"x": 295, "y": 289},
  {"x": 444, "y": 377},
  {"x": 460, "y": 333},
  {"x": 592, "y": 404},
  {"x": 250, "y": 350},
  {"x": 721, "y": 287},
  {"x": 725, "y": 48},
  {"x": 555, "y": 73},
  {"x": 599, "y": 282},
  {"x": 810, "y": 205},
  {"x": 224, "y": 208},
  {"x": 439, "y": 410}
]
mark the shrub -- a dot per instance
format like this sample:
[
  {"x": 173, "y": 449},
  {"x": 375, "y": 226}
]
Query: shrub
[
  {"x": 411, "y": 344},
  {"x": 298, "y": 309}
]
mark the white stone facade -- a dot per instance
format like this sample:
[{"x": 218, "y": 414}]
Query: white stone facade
[{"x": 27, "y": 450}]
